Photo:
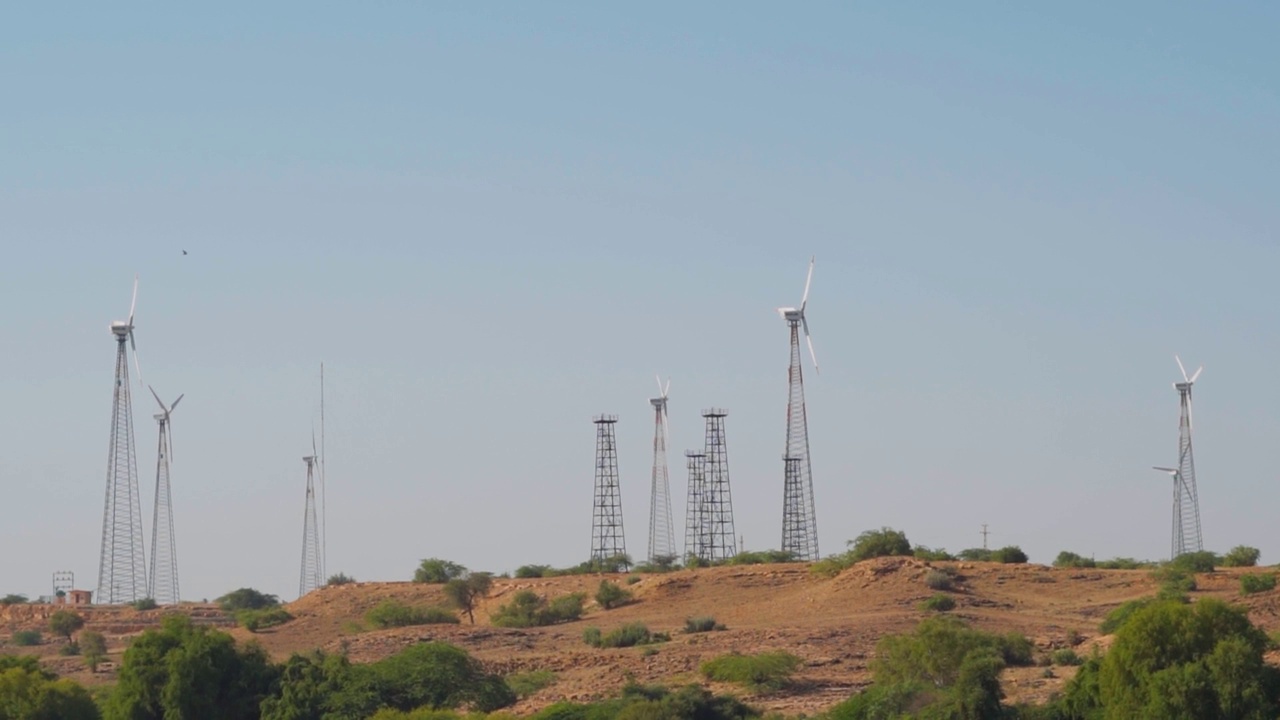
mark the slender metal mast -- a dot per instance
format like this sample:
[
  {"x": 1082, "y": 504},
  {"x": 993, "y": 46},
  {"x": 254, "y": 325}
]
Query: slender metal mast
[
  {"x": 608, "y": 539},
  {"x": 122, "y": 564},
  {"x": 1186, "y": 535},
  {"x": 310, "y": 576},
  {"x": 799, "y": 514},
  {"x": 662, "y": 541},
  {"x": 695, "y": 509},
  {"x": 717, "y": 536},
  {"x": 163, "y": 587}
]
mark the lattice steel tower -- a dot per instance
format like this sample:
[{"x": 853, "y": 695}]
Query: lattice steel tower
[
  {"x": 1186, "y": 499},
  {"x": 122, "y": 565},
  {"x": 662, "y": 539},
  {"x": 164, "y": 542},
  {"x": 695, "y": 511},
  {"x": 607, "y": 537},
  {"x": 799, "y": 515},
  {"x": 312, "y": 574},
  {"x": 718, "y": 537}
]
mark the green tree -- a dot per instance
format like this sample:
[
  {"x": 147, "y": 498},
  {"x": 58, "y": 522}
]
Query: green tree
[
  {"x": 247, "y": 599},
  {"x": 610, "y": 595},
  {"x": 1241, "y": 556},
  {"x": 340, "y": 579},
  {"x": 13, "y": 599},
  {"x": 93, "y": 646},
  {"x": 1067, "y": 559},
  {"x": 29, "y": 693},
  {"x": 190, "y": 672},
  {"x": 65, "y": 623},
  {"x": 437, "y": 571},
  {"x": 879, "y": 543},
  {"x": 1172, "y": 659},
  {"x": 466, "y": 593},
  {"x": 315, "y": 686}
]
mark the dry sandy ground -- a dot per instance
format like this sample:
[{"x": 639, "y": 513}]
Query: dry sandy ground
[{"x": 833, "y": 624}]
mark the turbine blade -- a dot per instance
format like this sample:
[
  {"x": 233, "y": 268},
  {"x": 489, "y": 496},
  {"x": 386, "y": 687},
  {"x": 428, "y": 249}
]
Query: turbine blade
[
  {"x": 168, "y": 439},
  {"x": 175, "y": 402},
  {"x": 1184, "y": 370},
  {"x": 805, "y": 300},
  {"x": 313, "y": 444},
  {"x": 158, "y": 400},
  {"x": 658, "y": 377},
  {"x": 133, "y": 303},
  {"x": 136, "y": 365},
  {"x": 809, "y": 340},
  {"x": 1164, "y": 469},
  {"x": 1196, "y": 374},
  {"x": 666, "y": 389}
]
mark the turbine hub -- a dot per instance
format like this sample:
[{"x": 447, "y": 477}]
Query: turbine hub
[{"x": 121, "y": 329}]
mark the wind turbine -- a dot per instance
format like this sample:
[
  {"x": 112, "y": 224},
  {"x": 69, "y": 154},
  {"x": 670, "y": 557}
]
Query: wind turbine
[
  {"x": 662, "y": 541},
  {"x": 122, "y": 569},
  {"x": 799, "y": 516},
  {"x": 163, "y": 587},
  {"x": 1186, "y": 499},
  {"x": 311, "y": 575}
]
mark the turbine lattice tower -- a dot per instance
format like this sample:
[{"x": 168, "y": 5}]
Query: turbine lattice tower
[
  {"x": 607, "y": 537},
  {"x": 312, "y": 577},
  {"x": 799, "y": 514},
  {"x": 717, "y": 536},
  {"x": 662, "y": 541},
  {"x": 164, "y": 543},
  {"x": 695, "y": 510},
  {"x": 122, "y": 565},
  {"x": 1186, "y": 501}
]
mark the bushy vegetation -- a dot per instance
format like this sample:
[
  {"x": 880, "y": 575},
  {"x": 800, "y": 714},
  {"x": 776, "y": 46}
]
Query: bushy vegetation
[
  {"x": 628, "y": 635},
  {"x": 659, "y": 564},
  {"x": 1010, "y": 554},
  {"x": 255, "y": 620},
  {"x": 1175, "y": 582},
  {"x": 939, "y": 603},
  {"x": 533, "y": 571},
  {"x": 437, "y": 571},
  {"x": 1066, "y": 656},
  {"x": 884, "y": 542},
  {"x": 28, "y": 692},
  {"x": 766, "y": 671},
  {"x": 466, "y": 593},
  {"x": 1257, "y": 582},
  {"x": 27, "y": 638},
  {"x": 13, "y": 599},
  {"x": 1195, "y": 562},
  {"x": 525, "y": 684},
  {"x": 393, "y": 613},
  {"x": 246, "y": 599},
  {"x": 702, "y": 624},
  {"x": 1178, "y": 660},
  {"x": 339, "y": 579},
  {"x": 637, "y": 702},
  {"x": 1241, "y": 556},
  {"x": 610, "y": 596},
  {"x": 1118, "y": 617},
  {"x": 145, "y": 604},
  {"x": 528, "y": 609},
  {"x": 93, "y": 646},
  {"x": 1068, "y": 559},
  {"x": 932, "y": 554},
  {"x": 940, "y": 579},
  {"x": 761, "y": 557},
  {"x": 65, "y": 623}
]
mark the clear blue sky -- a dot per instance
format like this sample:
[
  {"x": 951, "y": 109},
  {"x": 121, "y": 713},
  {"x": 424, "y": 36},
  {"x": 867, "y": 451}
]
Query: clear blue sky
[{"x": 493, "y": 221}]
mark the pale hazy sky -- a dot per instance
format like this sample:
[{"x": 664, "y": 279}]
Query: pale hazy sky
[{"x": 493, "y": 221}]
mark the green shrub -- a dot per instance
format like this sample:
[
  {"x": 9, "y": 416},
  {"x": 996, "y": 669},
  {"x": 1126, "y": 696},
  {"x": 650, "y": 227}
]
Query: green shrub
[
  {"x": 658, "y": 564},
  {"x": 145, "y": 604},
  {"x": 1195, "y": 562},
  {"x": 610, "y": 596},
  {"x": 70, "y": 649},
  {"x": 932, "y": 554},
  {"x": 884, "y": 542},
  {"x": 1121, "y": 563},
  {"x": 527, "y": 683},
  {"x": 246, "y": 599},
  {"x": 532, "y": 571},
  {"x": 939, "y": 580},
  {"x": 633, "y": 579},
  {"x": 94, "y": 648},
  {"x": 1174, "y": 582},
  {"x": 437, "y": 571},
  {"x": 1241, "y": 556},
  {"x": 1016, "y": 649},
  {"x": 255, "y": 620},
  {"x": 976, "y": 554},
  {"x": 1067, "y": 559},
  {"x": 528, "y": 609},
  {"x": 1257, "y": 582},
  {"x": 628, "y": 635},
  {"x": 939, "y": 603},
  {"x": 1010, "y": 555},
  {"x": 761, "y": 557},
  {"x": 767, "y": 671},
  {"x": 27, "y": 638},
  {"x": 339, "y": 579},
  {"x": 830, "y": 566},
  {"x": 1066, "y": 656},
  {"x": 65, "y": 623},
  {"x": 1118, "y": 617},
  {"x": 13, "y": 599},
  {"x": 393, "y": 613},
  {"x": 702, "y": 624}
]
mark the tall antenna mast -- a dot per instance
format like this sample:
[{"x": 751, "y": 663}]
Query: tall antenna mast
[
  {"x": 662, "y": 541},
  {"x": 695, "y": 509},
  {"x": 310, "y": 576},
  {"x": 719, "y": 538},
  {"x": 608, "y": 539},
  {"x": 164, "y": 543},
  {"x": 122, "y": 564},
  {"x": 324, "y": 501},
  {"x": 799, "y": 516}
]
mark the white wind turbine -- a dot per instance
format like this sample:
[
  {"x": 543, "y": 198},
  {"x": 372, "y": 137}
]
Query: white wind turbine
[
  {"x": 662, "y": 541},
  {"x": 799, "y": 515}
]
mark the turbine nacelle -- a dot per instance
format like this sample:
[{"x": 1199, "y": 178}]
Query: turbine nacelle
[{"x": 795, "y": 316}]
